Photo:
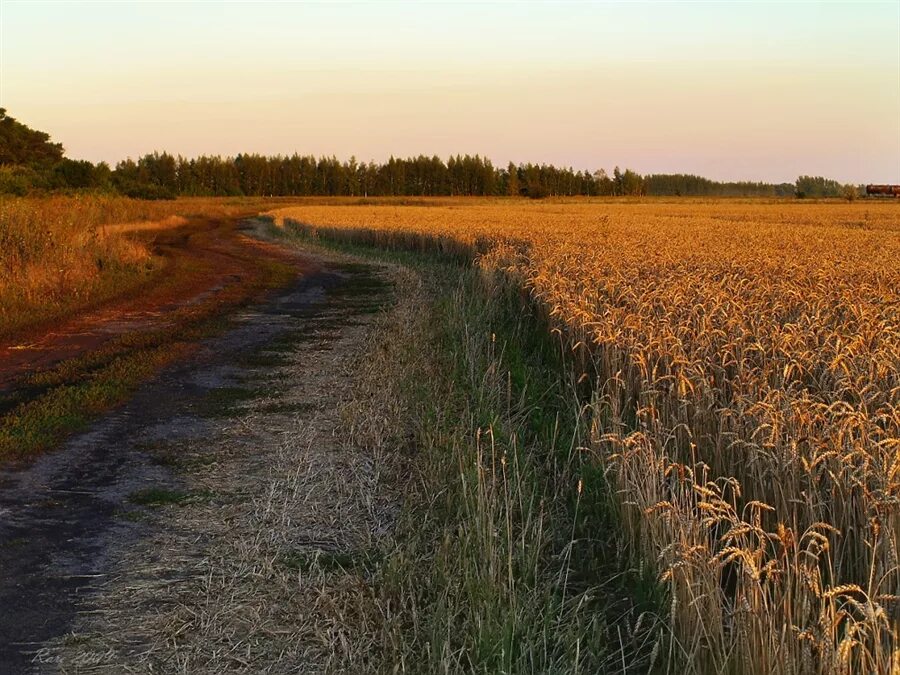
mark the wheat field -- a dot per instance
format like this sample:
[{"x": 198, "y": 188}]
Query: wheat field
[{"x": 744, "y": 361}]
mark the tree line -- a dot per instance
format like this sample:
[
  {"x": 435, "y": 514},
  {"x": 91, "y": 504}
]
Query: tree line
[
  {"x": 677, "y": 185},
  {"x": 30, "y": 162}
]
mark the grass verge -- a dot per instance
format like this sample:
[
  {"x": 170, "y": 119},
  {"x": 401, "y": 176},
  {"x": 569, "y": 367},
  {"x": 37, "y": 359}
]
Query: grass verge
[{"x": 506, "y": 556}]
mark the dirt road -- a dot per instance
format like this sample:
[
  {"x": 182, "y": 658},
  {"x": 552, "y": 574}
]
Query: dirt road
[
  {"x": 206, "y": 259},
  {"x": 105, "y": 517}
]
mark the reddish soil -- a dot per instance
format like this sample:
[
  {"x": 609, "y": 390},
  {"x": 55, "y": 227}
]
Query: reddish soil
[{"x": 207, "y": 260}]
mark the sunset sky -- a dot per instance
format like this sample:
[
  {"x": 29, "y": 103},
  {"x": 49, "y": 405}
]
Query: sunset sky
[{"x": 731, "y": 91}]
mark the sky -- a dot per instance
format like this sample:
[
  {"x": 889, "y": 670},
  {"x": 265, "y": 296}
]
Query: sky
[{"x": 730, "y": 90}]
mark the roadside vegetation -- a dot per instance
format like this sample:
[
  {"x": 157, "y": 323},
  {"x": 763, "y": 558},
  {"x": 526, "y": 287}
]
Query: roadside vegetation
[
  {"x": 492, "y": 564},
  {"x": 724, "y": 407},
  {"x": 60, "y": 254}
]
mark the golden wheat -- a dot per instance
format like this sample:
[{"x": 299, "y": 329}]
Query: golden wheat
[{"x": 746, "y": 361}]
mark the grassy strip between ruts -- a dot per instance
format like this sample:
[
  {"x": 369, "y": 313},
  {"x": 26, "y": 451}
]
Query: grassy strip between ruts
[
  {"x": 506, "y": 557},
  {"x": 46, "y": 406}
]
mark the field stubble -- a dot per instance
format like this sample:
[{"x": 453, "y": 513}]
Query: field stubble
[{"x": 744, "y": 400}]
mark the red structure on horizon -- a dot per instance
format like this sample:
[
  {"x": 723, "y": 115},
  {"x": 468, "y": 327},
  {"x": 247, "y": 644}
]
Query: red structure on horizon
[{"x": 883, "y": 190}]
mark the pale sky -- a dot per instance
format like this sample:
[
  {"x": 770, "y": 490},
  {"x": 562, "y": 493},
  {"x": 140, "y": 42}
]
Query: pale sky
[{"x": 731, "y": 90}]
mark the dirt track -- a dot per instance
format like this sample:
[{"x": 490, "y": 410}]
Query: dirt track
[
  {"x": 68, "y": 519},
  {"x": 205, "y": 259}
]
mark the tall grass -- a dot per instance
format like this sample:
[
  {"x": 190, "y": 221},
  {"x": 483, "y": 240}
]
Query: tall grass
[
  {"x": 56, "y": 252},
  {"x": 741, "y": 366},
  {"x": 62, "y": 253},
  {"x": 485, "y": 574}
]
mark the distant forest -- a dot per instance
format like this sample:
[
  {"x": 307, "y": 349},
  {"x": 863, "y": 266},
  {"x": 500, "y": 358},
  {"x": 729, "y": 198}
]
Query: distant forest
[{"x": 31, "y": 163}]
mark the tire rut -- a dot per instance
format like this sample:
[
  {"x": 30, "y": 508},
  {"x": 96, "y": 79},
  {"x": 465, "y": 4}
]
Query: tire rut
[{"x": 66, "y": 519}]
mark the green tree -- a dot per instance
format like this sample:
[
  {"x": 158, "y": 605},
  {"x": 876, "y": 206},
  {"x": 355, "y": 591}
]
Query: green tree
[
  {"x": 817, "y": 187},
  {"x": 512, "y": 180},
  {"x": 850, "y": 192},
  {"x": 20, "y": 144}
]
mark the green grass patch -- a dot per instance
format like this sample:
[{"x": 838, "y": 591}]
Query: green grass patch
[
  {"x": 159, "y": 497},
  {"x": 277, "y": 352},
  {"x": 227, "y": 401},
  {"x": 39, "y": 423},
  {"x": 361, "y": 562},
  {"x": 287, "y": 407},
  {"x": 46, "y": 406}
]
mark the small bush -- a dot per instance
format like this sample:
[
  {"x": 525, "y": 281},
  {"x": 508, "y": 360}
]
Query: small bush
[
  {"x": 850, "y": 192},
  {"x": 537, "y": 191},
  {"x": 149, "y": 191}
]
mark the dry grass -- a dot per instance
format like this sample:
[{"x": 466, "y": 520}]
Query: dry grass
[
  {"x": 263, "y": 561},
  {"x": 745, "y": 400},
  {"x": 61, "y": 253}
]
